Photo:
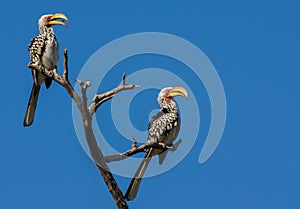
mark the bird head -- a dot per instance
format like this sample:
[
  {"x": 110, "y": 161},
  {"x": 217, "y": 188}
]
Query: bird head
[
  {"x": 52, "y": 19},
  {"x": 166, "y": 95}
]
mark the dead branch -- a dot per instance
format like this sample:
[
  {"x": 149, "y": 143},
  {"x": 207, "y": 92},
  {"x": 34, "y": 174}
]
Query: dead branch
[
  {"x": 142, "y": 148},
  {"x": 86, "y": 115},
  {"x": 101, "y": 98}
]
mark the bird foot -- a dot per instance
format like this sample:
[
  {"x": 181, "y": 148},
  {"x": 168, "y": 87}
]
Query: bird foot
[
  {"x": 51, "y": 74},
  {"x": 163, "y": 145},
  {"x": 35, "y": 66}
]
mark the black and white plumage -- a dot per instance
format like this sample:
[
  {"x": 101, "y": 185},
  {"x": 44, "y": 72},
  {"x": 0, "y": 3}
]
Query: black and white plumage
[
  {"x": 44, "y": 53},
  {"x": 163, "y": 127}
]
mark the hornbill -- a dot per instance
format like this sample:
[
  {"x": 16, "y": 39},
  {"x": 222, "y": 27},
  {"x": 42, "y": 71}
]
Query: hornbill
[
  {"x": 44, "y": 53},
  {"x": 163, "y": 128}
]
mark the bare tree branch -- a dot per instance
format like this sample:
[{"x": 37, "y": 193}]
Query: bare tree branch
[
  {"x": 142, "y": 148},
  {"x": 81, "y": 103},
  {"x": 66, "y": 67},
  {"x": 101, "y": 98}
]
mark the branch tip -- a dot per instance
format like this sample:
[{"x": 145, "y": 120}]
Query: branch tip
[
  {"x": 133, "y": 145},
  {"x": 123, "y": 78},
  {"x": 81, "y": 83},
  {"x": 136, "y": 86},
  {"x": 88, "y": 83}
]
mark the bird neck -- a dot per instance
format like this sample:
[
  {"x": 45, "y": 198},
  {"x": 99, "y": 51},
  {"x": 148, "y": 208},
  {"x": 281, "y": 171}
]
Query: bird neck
[
  {"x": 169, "y": 107},
  {"x": 46, "y": 30}
]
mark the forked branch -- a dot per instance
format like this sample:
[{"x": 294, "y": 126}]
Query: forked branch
[
  {"x": 86, "y": 115},
  {"x": 101, "y": 98}
]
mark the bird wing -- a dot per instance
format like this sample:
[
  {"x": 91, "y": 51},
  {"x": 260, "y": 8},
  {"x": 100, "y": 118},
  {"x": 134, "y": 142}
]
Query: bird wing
[
  {"x": 136, "y": 180},
  {"x": 36, "y": 48},
  {"x": 163, "y": 127},
  {"x": 157, "y": 126},
  {"x": 156, "y": 116}
]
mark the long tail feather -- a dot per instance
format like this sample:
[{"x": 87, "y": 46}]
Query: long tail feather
[
  {"x": 29, "y": 116},
  {"x": 135, "y": 182}
]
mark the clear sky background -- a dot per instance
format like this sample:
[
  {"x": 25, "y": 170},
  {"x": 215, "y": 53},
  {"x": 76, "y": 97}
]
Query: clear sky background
[{"x": 254, "y": 46}]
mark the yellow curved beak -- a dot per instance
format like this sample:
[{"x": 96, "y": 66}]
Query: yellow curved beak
[
  {"x": 178, "y": 91},
  {"x": 55, "y": 19}
]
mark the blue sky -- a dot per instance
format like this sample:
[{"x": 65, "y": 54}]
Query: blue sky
[{"x": 254, "y": 45}]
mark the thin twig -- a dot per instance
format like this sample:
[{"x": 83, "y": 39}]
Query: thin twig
[
  {"x": 66, "y": 68},
  {"x": 123, "y": 78},
  {"x": 101, "y": 98}
]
